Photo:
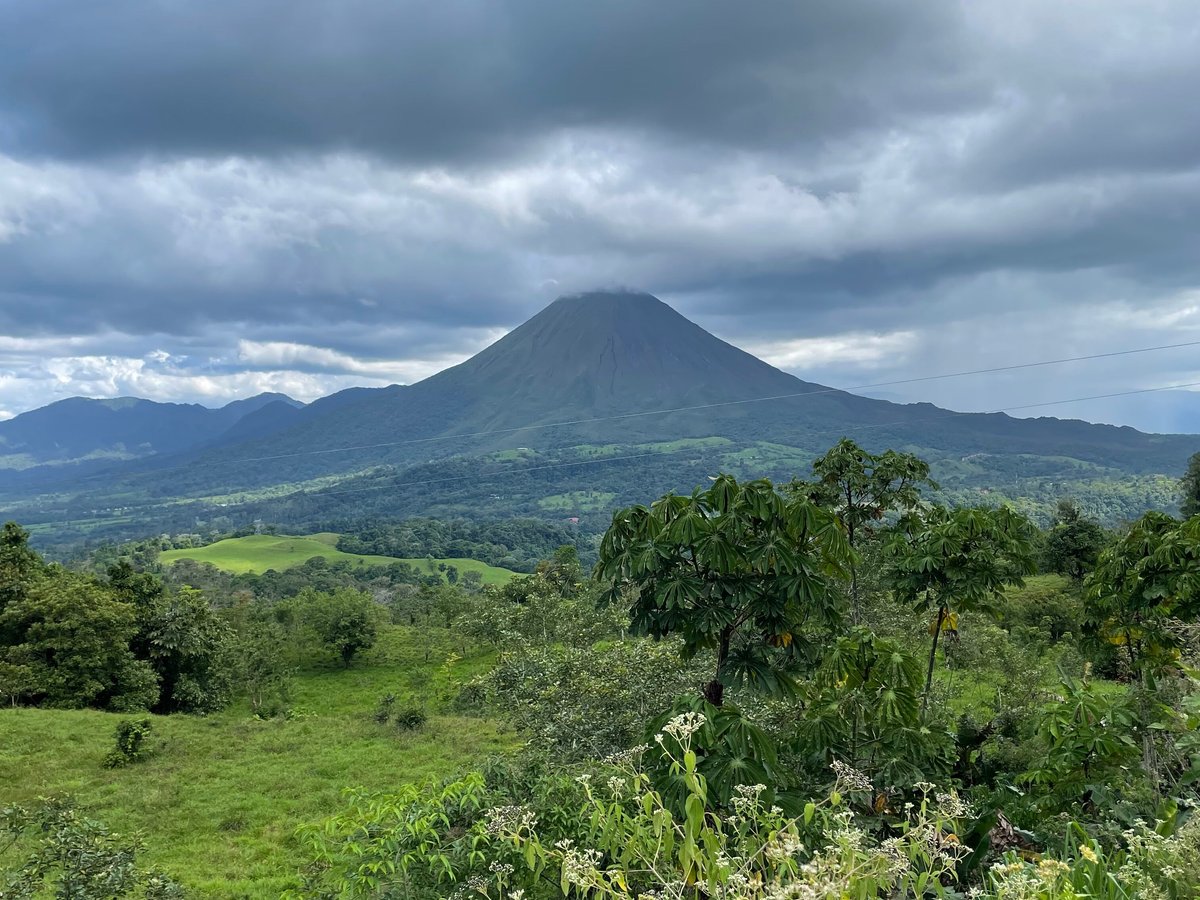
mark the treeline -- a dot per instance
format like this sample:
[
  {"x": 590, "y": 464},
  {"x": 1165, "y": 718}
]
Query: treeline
[
  {"x": 516, "y": 544},
  {"x": 194, "y": 639}
]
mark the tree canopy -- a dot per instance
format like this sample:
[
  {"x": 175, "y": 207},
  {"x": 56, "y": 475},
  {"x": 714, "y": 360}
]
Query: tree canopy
[{"x": 735, "y": 560}]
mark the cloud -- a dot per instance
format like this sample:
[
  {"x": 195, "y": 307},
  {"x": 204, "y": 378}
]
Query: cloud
[
  {"x": 464, "y": 80},
  {"x": 273, "y": 355},
  {"x": 199, "y": 201},
  {"x": 855, "y": 350}
]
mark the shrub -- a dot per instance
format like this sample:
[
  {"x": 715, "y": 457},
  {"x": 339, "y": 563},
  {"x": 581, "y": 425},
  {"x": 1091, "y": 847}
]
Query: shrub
[
  {"x": 634, "y": 844},
  {"x": 130, "y": 744},
  {"x": 67, "y": 855},
  {"x": 410, "y": 718},
  {"x": 383, "y": 711}
]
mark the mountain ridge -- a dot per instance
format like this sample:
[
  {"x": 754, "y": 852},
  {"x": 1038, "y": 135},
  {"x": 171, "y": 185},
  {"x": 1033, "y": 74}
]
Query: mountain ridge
[
  {"x": 611, "y": 369},
  {"x": 81, "y": 428}
]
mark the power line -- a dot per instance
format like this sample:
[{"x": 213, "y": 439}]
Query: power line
[
  {"x": 703, "y": 406},
  {"x": 896, "y": 422}
]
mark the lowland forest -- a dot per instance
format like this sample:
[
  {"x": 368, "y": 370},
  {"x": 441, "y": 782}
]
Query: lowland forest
[{"x": 610, "y": 610}]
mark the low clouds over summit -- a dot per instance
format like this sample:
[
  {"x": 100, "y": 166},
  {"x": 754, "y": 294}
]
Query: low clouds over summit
[{"x": 203, "y": 200}]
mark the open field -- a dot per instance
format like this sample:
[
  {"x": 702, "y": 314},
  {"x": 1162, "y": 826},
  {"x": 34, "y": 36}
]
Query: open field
[
  {"x": 220, "y": 801},
  {"x": 259, "y": 552}
]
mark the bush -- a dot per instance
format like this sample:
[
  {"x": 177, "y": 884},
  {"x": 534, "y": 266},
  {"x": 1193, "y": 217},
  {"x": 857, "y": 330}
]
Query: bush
[
  {"x": 383, "y": 712},
  {"x": 410, "y": 718},
  {"x": 69, "y": 856},
  {"x": 131, "y": 743}
]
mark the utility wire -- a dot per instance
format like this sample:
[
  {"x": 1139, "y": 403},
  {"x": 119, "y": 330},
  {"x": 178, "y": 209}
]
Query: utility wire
[
  {"x": 896, "y": 422},
  {"x": 717, "y": 405}
]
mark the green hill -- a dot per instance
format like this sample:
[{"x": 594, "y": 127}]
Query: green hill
[{"x": 260, "y": 552}]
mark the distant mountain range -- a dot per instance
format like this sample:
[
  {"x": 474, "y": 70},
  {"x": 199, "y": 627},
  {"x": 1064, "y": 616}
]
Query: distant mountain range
[
  {"x": 596, "y": 375},
  {"x": 79, "y": 429}
]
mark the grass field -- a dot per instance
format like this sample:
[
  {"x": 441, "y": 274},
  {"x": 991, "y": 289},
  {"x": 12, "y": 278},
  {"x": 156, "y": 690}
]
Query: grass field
[
  {"x": 220, "y": 801},
  {"x": 259, "y": 552}
]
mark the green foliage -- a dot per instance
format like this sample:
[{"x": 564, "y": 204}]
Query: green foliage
[
  {"x": 552, "y": 606},
  {"x": 1043, "y": 610},
  {"x": 261, "y": 669},
  {"x": 951, "y": 561},
  {"x": 383, "y": 710},
  {"x": 864, "y": 487},
  {"x": 1141, "y": 584},
  {"x": 410, "y": 717},
  {"x": 345, "y": 621},
  {"x": 1152, "y": 864},
  {"x": 70, "y": 857},
  {"x": 190, "y": 649},
  {"x": 19, "y": 567},
  {"x": 863, "y": 707},
  {"x": 581, "y": 703},
  {"x": 1189, "y": 486},
  {"x": 67, "y": 639},
  {"x": 1074, "y": 543},
  {"x": 1089, "y": 739},
  {"x": 731, "y": 752},
  {"x": 635, "y": 843},
  {"x": 407, "y": 718},
  {"x": 736, "y": 559},
  {"x": 69, "y": 642},
  {"x": 408, "y": 843},
  {"x": 130, "y": 743}
]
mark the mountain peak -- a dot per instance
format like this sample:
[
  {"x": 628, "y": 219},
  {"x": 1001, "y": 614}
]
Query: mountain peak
[
  {"x": 609, "y": 350},
  {"x": 613, "y": 297}
]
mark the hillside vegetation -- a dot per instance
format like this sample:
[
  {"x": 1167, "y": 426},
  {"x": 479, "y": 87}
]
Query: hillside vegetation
[
  {"x": 260, "y": 552},
  {"x": 834, "y": 688},
  {"x": 598, "y": 401},
  {"x": 220, "y": 797}
]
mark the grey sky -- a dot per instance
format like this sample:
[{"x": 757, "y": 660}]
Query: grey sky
[{"x": 199, "y": 201}]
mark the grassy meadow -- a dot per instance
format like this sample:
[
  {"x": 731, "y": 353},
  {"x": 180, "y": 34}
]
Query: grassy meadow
[
  {"x": 219, "y": 802},
  {"x": 260, "y": 552}
]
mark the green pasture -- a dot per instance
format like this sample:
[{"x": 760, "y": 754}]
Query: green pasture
[
  {"x": 219, "y": 802},
  {"x": 260, "y": 552}
]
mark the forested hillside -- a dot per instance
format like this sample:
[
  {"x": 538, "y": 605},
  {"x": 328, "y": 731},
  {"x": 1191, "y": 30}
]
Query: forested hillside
[
  {"x": 598, "y": 401},
  {"x": 833, "y": 686}
]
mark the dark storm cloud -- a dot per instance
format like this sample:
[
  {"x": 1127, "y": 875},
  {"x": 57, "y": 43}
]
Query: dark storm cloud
[{"x": 463, "y": 79}]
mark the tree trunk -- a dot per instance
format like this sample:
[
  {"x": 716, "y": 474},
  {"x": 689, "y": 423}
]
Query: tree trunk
[
  {"x": 937, "y": 632},
  {"x": 714, "y": 691}
]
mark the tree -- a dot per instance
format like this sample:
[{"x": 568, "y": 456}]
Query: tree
[
  {"x": 19, "y": 565},
  {"x": 544, "y": 608},
  {"x": 190, "y": 649},
  {"x": 950, "y": 561},
  {"x": 261, "y": 667},
  {"x": 184, "y": 641},
  {"x": 862, "y": 488},
  {"x": 863, "y": 707},
  {"x": 1142, "y": 586},
  {"x": 57, "y": 849},
  {"x": 1190, "y": 486},
  {"x": 346, "y": 621},
  {"x": 1074, "y": 542},
  {"x": 735, "y": 561},
  {"x": 69, "y": 639}
]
